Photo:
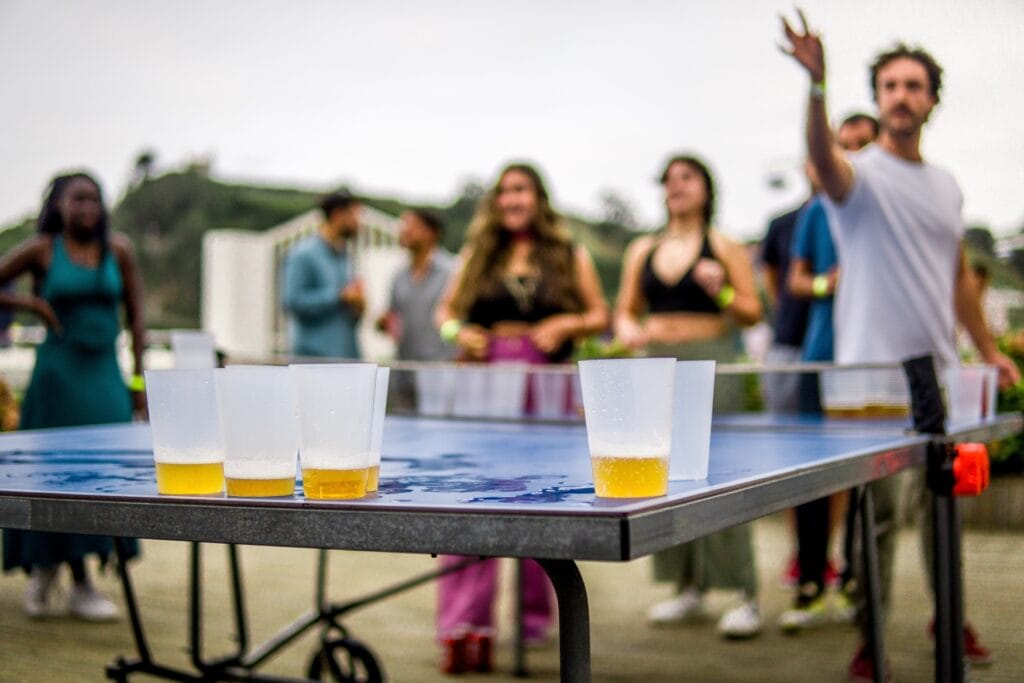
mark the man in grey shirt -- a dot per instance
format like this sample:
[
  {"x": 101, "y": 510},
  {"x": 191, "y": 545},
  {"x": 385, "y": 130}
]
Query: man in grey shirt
[
  {"x": 898, "y": 233},
  {"x": 414, "y": 294}
]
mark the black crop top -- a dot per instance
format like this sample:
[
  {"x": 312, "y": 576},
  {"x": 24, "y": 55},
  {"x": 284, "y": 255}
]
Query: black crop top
[{"x": 684, "y": 296}]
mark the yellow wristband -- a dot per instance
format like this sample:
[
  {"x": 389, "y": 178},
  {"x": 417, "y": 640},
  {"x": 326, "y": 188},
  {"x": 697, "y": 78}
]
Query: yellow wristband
[
  {"x": 725, "y": 296},
  {"x": 819, "y": 286},
  {"x": 449, "y": 330},
  {"x": 137, "y": 383},
  {"x": 817, "y": 91}
]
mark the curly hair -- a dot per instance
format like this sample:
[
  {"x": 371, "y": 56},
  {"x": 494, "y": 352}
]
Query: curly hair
[
  {"x": 919, "y": 55},
  {"x": 489, "y": 246}
]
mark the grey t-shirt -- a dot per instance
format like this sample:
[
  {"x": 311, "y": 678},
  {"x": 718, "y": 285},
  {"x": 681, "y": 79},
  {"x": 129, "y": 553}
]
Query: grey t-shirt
[
  {"x": 898, "y": 240},
  {"x": 414, "y": 302}
]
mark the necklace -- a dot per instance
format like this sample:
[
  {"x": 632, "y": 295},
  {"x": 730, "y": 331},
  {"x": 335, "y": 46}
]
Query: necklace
[{"x": 523, "y": 289}]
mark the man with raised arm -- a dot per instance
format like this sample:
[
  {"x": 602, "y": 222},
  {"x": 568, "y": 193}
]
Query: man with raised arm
[{"x": 898, "y": 233}]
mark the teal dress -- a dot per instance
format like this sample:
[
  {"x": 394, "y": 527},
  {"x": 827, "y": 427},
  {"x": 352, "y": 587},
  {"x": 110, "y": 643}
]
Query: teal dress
[{"x": 76, "y": 381}]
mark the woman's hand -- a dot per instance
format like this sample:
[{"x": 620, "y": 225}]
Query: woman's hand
[
  {"x": 41, "y": 307},
  {"x": 140, "y": 409},
  {"x": 632, "y": 334},
  {"x": 549, "y": 334},
  {"x": 710, "y": 275},
  {"x": 473, "y": 340}
]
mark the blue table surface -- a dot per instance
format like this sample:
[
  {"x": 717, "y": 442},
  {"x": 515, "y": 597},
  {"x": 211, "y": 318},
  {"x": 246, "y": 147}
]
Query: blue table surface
[{"x": 458, "y": 465}]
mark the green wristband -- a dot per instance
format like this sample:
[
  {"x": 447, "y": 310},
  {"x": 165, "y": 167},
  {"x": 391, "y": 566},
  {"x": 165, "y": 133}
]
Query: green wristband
[
  {"x": 449, "y": 330},
  {"x": 819, "y": 286},
  {"x": 725, "y": 296},
  {"x": 137, "y": 383}
]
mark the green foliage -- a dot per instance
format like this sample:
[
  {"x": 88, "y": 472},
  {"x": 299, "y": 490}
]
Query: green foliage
[
  {"x": 1008, "y": 454},
  {"x": 600, "y": 347}
]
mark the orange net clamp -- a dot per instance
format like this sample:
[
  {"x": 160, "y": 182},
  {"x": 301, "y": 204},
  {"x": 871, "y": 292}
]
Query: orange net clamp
[{"x": 970, "y": 469}]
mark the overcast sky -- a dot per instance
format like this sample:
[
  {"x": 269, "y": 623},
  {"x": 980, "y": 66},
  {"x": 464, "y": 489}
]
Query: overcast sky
[{"x": 412, "y": 99}]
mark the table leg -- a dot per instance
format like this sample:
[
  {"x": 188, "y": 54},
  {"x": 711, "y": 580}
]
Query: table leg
[
  {"x": 872, "y": 583},
  {"x": 573, "y": 620}
]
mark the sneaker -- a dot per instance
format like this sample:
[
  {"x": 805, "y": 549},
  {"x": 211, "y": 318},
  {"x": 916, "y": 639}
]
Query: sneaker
[
  {"x": 862, "y": 667},
  {"x": 791, "y": 574},
  {"x": 833, "y": 576},
  {"x": 86, "y": 603},
  {"x": 741, "y": 622},
  {"x": 683, "y": 607},
  {"x": 479, "y": 650},
  {"x": 844, "y": 609},
  {"x": 37, "y": 596},
  {"x": 453, "y": 653},
  {"x": 808, "y": 612},
  {"x": 974, "y": 652}
]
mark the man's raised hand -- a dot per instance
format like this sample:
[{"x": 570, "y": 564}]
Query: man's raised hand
[{"x": 805, "y": 48}]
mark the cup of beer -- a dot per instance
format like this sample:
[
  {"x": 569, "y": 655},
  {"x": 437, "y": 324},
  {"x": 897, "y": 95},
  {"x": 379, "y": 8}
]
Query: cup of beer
[
  {"x": 335, "y": 423},
  {"x": 193, "y": 349},
  {"x": 627, "y": 405},
  {"x": 259, "y": 420},
  {"x": 380, "y": 403},
  {"x": 187, "y": 446},
  {"x": 691, "y": 419}
]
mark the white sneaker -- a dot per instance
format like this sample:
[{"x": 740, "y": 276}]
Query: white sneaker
[
  {"x": 37, "y": 596},
  {"x": 683, "y": 607},
  {"x": 85, "y": 602},
  {"x": 741, "y": 622}
]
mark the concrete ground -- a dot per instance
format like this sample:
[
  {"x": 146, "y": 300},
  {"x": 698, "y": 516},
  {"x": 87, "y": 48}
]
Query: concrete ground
[{"x": 399, "y": 630}]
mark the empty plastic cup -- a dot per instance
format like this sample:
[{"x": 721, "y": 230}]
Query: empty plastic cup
[
  {"x": 335, "y": 423},
  {"x": 259, "y": 422},
  {"x": 435, "y": 388},
  {"x": 193, "y": 349},
  {"x": 628, "y": 409},
  {"x": 691, "y": 419},
  {"x": 187, "y": 446}
]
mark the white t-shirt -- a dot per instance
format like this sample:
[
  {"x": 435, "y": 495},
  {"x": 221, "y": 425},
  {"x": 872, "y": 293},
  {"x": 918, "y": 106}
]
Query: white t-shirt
[{"x": 898, "y": 240}]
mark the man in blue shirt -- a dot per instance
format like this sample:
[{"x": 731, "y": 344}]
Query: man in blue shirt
[{"x": 321, "y": 292}]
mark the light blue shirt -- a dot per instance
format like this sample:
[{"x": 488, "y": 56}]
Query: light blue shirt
[
  {"x": 320, "y": 324},
  {"x": 812, "y": 242}
]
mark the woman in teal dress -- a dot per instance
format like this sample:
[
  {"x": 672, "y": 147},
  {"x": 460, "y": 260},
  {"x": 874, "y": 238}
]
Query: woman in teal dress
[{"x": 81, "y": 275}]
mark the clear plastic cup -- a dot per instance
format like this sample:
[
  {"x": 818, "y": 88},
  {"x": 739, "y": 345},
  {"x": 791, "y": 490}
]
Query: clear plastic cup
[
  {"x": 259, "y": 423},
  {"x": 965, "y": 391},
  {"x": 691, "y": 419},
  {"x": 628, "y": 409},
  {"x": 471, "y": 386},
  {"x": 335, "y": 424},
  {"x": 865, "y": 393},
  {"x": 193, "y": 349},
  {"x": 380, "y": 403},
  {"x": 991, "y": 391},
  {"x": 506, "y": 390},
  {"x": 550, "y": 392},
  {"x": 435, "y": 388},
  {"x": 187, "y": 446}
]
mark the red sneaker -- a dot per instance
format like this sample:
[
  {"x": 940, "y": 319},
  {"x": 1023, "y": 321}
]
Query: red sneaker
[
  {"x": 791, "y": 574},
  {"x": 832, "y": 574},
  {"x": 974, "y": 652},
  {"x": 862, "y": 667},
  {"x": 453, "y": 654},
  {"x": 479, "y": 651}
]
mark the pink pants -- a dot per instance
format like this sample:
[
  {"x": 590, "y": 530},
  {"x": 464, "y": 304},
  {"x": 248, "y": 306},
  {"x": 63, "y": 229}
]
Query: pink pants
[{"x": 465, "y": 599}]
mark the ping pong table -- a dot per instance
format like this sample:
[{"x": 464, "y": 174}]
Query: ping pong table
[{"x": 487, "y": 489}]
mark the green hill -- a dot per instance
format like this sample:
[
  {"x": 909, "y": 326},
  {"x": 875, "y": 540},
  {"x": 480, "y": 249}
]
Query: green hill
[{"x": 166, "y": 217}]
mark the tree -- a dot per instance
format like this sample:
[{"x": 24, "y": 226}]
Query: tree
[
  {"x": 143, "y": 169},
  {"x": 978, "y": 238},
  {"x": 617, "y": 211}
]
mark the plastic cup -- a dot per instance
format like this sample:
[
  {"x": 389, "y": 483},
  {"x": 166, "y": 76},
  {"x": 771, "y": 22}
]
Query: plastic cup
[
  {"x": 471, "y": 387},
  {"x": 187, "y": 446},
  {"x": 965, "y": 390},
  {"x": 193, "y": 349},
  {"x": 435, "y": 388},
  {"x": 550, "y": 391},
  {"x": 691, "y": 419},
  {"x": 506, "y": 390},
  {"x": 628, "y": 409},
  {"x": 991, "y": 391},
  {"x": 380, "y": 402},
  {"x": 335, "y": 424},
  {"x": 259, "y": 423}
]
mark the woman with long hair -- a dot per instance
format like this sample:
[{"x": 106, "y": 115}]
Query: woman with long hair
[
  {"x": 82, "y": 276},
  {"x": 523, "y": 292},
  {"x": 684, "y": 291}
]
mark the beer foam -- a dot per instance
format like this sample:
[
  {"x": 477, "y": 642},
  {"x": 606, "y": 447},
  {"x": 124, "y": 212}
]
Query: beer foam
[
  {"x": 259, "y": 469},
  {"x": 333, "y": 459},
  {"x": 628, "y": 445},
  {"x": 198, "y": 455}
]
